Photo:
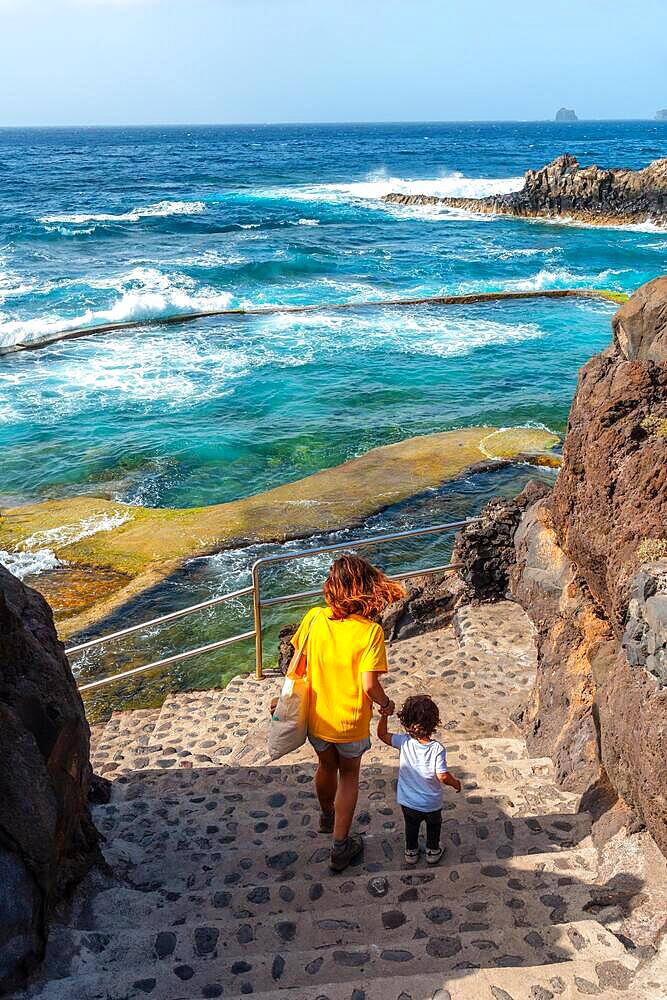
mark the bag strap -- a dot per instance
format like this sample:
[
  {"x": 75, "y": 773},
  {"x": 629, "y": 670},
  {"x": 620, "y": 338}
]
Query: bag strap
[{"x": 296, "y": 660}]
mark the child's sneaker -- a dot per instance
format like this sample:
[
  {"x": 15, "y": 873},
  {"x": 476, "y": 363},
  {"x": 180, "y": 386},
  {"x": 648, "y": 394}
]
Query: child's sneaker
[
  {"x": 411, "y": 857},
  {"x": 433, "y": 855}
]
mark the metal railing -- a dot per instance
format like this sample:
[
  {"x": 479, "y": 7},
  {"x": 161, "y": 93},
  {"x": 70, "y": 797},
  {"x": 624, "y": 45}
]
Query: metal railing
[{"x": 259, "y": 604}]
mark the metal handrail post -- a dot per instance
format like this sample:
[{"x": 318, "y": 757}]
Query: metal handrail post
[{"x": 257, "y": 613}]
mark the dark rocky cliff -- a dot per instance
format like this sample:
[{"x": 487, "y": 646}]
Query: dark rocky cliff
[
  {"x": 47, "y": 838},
  {"x": 591, "y": 574},
  {"x": 564, "y": 188}
]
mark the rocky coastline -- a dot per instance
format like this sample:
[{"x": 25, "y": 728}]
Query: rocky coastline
[
  {"x": 565, "y": 190},
  {"x": 587, "y": 562},
  {"x": 592, "y": 574}
]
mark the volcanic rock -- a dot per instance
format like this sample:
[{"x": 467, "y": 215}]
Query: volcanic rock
[
  {"x": 484, "y": 549},
  {"x": 563, "y": 188},
  {"x": 588, "y": 572},
  {"x": 47, "y": 838}
]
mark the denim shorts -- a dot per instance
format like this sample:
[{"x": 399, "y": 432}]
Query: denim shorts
[{"x": 347, "y": 750}]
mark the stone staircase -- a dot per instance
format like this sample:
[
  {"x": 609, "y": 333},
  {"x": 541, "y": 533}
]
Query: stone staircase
[{"x": 219, "y": 884}]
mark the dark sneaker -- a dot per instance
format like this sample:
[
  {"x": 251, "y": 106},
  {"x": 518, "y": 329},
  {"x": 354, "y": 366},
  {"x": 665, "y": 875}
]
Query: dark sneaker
[
  {"x": 341, "y": 857},
  {"x": 327, "y": 822}
]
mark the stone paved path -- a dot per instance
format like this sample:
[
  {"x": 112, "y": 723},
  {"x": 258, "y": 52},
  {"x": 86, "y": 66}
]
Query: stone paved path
[{"x": 220, "y": 887}]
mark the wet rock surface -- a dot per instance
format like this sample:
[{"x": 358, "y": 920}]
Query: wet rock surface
[
  {"x": 47, "y": 838},
  {"x": 564, "y": 188}
]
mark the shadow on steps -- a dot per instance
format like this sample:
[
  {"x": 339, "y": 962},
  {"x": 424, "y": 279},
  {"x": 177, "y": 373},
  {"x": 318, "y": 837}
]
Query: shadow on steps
[{"x": 220, "y": 877}]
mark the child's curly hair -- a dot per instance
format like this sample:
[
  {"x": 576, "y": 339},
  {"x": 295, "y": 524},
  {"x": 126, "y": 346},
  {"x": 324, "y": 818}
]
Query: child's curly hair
[{"x": 420, "y": 716}]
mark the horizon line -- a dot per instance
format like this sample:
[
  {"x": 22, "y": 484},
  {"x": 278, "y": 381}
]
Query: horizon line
[{"x": 322, "y": 122}]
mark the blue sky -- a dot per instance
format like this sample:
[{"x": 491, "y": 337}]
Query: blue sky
[{"x": 171, "y": 61}]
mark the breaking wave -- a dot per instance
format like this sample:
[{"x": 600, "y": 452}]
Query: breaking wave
[
  {"x": 546, "y": 279},
  {"x": 142, "y": 294},
  {"x": 377, "y": 186},
  {"x": 160, "y": 210}
]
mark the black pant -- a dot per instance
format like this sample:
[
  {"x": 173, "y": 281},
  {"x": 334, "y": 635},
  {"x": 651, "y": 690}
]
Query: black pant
[{"x": 413, "y": 821}]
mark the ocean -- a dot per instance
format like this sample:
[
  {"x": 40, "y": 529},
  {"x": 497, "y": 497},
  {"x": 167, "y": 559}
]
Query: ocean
[{"x": 113, "y": 225}]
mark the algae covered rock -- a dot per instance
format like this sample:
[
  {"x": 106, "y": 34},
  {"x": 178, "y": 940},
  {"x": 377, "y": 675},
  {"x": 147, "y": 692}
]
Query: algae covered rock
[{"x": 140, "y": 546}]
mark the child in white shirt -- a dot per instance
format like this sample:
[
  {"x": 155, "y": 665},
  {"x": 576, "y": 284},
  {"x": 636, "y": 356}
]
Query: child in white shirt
[{"x": 421, "y": 775}]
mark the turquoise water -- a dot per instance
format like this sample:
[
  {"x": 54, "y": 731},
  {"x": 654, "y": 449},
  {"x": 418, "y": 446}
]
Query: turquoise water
[{"x": 110, "y": 225}]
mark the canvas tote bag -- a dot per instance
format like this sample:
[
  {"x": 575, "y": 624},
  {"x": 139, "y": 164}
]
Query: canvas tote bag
[{"x": 288, "y": 728}]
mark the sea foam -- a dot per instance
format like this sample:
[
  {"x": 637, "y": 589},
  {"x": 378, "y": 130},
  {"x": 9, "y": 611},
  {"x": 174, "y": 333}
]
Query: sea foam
[
  {"x": 23, "y": 564},
  {"x": 68, "y": 534},
  {"x": 143, "y": 294},
  {"x": 36, "y": 554},
  {"x": 160, "y": 210},
  {"x": 377, "y": 186}
]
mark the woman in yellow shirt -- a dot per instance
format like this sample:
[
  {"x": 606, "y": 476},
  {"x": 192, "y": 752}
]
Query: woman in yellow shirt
[{"x": 346, "y": 654}]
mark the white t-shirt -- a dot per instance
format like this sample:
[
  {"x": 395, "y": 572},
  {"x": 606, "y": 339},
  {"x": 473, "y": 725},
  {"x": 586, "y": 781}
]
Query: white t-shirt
[{"x": 419, "y": 766}]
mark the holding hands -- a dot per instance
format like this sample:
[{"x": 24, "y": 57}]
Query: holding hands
[{"x": 376, "y": 693}]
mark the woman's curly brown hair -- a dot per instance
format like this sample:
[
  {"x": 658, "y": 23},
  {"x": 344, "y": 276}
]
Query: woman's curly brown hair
[
  {"x": 355, "y": 587},
  {"x": 420, "y": 716}
]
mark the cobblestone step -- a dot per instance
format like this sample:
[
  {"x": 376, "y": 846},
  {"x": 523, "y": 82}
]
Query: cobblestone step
[
  {"x": 266, "y": 857},
  {"x": 505, "y": 756},
  {"x": 574, "y": 980},
  {"x": 480, "y": 911},
  {"x": 196, "y": 955},
  {"x": 205, "y": 722},
  {"x": 123, "y": 734},
  {"x": 546, "y": 875},
  {"x": 228, "y": 817}
]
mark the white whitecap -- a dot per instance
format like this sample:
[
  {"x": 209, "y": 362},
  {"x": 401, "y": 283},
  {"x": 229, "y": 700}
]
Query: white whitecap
[
  {"x": 377, "y": 186},
  {"x": 142, "y": 294},
  {"x": 159, "y": 210},
  {"x": 546, "y": 279},
  {"x": 36, "y": 554}
]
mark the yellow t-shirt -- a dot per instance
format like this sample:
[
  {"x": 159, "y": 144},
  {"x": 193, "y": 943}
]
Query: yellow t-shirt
[{"x": 338, "y": 653}]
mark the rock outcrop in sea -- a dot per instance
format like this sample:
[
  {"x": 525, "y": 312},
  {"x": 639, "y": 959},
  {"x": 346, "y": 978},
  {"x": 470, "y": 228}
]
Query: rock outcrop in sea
[
  {"x": 566, "y": 115},
  {"x": 591, "y": 572},
  {"x": 661, "y": 116},
  {"x": 564, "y": 189},
  {"x": 47, "y": 838}
]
